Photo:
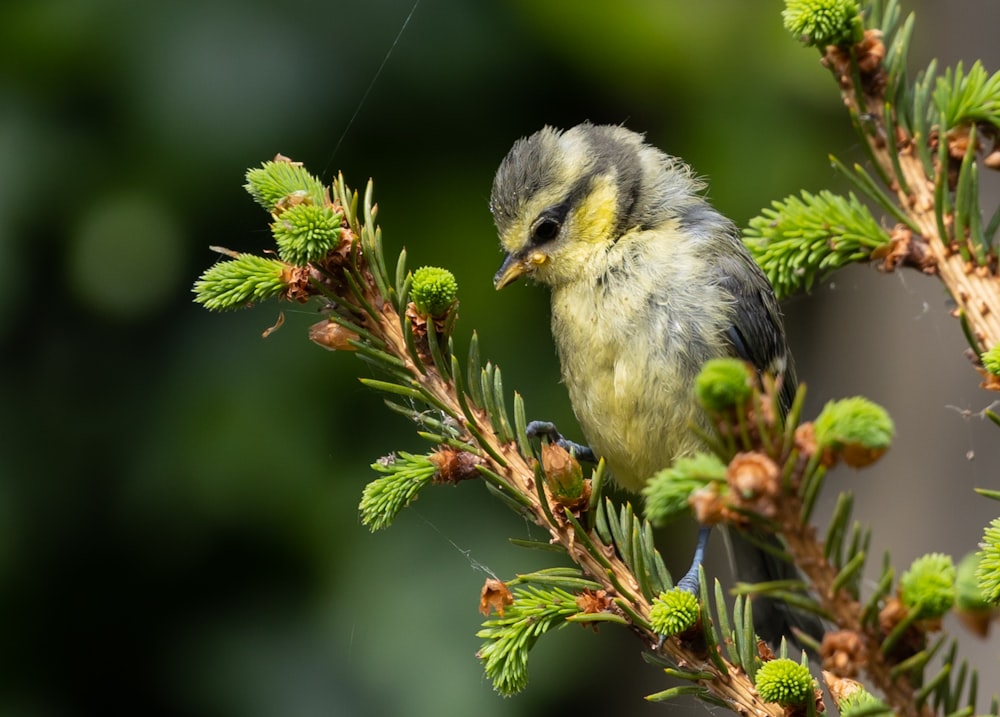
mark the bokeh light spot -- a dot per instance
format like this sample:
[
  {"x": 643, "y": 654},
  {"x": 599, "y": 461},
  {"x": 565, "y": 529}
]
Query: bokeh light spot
[{"x": 125, "y": 256}]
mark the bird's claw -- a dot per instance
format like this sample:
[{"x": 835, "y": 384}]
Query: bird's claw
[
  {"x": 537, "y": 429},
  {"x": 547, "y": 429}
]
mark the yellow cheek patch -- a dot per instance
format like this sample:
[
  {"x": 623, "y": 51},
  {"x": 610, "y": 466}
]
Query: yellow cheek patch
[
  {"x": 538, "y": 258},
  {"x": 594, "y": 219}
]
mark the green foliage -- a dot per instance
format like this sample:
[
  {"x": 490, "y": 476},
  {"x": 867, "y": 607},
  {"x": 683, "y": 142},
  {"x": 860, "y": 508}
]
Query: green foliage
[
  {"x": 785, "y": 681},
  {"x": 860, "y": 703},
  {"x": 668, "y": 491},
  {"x": 620, "y": 573},
  {"x": 240, "y": 282},
  {"x": 854, "y": 422},
  {"x": 969, "y": 97},
  {"x": 723, "y": 384},
  {"x": 306, "y": 232},
  {"x": 822, "y": 22},
  {"x": 968, "y": 594},
  {"x": 433, "y": 291},
  {"x": 403, "y": 476},
  {"x": 801, "y": 240},
  {"x": 988, "y": 572},
  {"x": 509, "y": 637},
  {"x": 929, "y": 585},
  {"x": 274, "y": 182},
  {"x": 632, "y": 537},
  {"x": 991, "y": 360},
  {"x": 847, "y": 548},
  {"x": 673, "y": 612},
  {"x": 726, "y": 633}
]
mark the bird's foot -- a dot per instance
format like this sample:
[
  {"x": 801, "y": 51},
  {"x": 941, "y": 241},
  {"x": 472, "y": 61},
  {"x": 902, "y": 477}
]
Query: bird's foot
[{"x": 538, "y": 429}]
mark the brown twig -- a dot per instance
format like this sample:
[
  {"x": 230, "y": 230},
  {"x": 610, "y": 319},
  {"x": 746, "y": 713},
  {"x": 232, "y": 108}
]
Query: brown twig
[
  {"x": 807, "y": 549},
  {"x": 609, "y": 570},
  {"x": 756, "y": 488},
  {"x": 975, "y": 288}
]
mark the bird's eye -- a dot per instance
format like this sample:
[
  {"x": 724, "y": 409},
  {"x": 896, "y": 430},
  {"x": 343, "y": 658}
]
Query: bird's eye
[{"x": 545, "y": 230}]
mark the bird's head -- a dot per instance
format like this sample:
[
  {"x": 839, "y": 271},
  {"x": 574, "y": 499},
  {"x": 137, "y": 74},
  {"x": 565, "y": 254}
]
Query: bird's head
[{"x": 561, "y": 199}]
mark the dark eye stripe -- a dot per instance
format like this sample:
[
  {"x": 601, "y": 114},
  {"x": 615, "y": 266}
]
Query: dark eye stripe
[
  {"x": 557, "y": 213},
  {"x": 549, "y": 222}
]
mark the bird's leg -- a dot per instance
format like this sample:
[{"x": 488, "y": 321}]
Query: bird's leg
[
  {"x": 536, "y": 429},
  {"x": 690, "y": 580}
]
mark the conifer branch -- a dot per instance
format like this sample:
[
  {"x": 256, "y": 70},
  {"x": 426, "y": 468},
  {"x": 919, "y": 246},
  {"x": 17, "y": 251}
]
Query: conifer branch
[
  {"x": 760, "y": 471},
  {"x": 409, "y": 342},
  {"x": 927, "y": 141},
  {"x": 765, "y": 472}
]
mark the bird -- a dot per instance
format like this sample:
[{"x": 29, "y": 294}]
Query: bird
[{"x": 647, "y": 281}]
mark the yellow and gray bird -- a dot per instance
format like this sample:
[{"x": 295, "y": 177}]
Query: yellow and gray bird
[{"x": 648, "y": 281}]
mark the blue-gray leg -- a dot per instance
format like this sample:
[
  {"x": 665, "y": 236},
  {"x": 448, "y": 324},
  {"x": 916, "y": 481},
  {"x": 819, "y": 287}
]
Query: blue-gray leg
[{"x": 690, "y": 580}]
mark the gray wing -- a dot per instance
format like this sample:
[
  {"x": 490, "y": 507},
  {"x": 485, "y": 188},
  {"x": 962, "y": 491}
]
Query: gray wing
[{"x": 757, "y": 333}]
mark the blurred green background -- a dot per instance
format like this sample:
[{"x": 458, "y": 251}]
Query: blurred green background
[{"x": 178, "y": 524}]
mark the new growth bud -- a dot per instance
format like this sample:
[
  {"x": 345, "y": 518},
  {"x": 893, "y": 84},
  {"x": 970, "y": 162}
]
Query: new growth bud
[
  {"x": 673, "y": 612},
  {"x": 785, "y": 682},
  {"x": 723, "y": 384},
  {"x": 821, "y": 22},
  {"x": 854, "y": 430},
  {"x": 929, "y": 585},
  {"x": 434, "y": 291}
]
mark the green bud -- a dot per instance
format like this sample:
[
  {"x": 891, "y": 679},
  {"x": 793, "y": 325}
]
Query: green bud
[
  {"x": 991, "y": 360},
  {"x": 667, "y": 492},
  {"x": 929, "y": 585},
  {"x": 402, "y": 477},
  {"x": 433, "y": 291},
  {"x": 723, "y": 384},
  {"x": 855, "y": 429},
  {"x": 821, "y": 22},
  {"x": 673, "y": 612},
  {"x": 240, "y": 282},
  {"x": 968, "y": 594},
  {"x": 785, "y": 682},
  {"x": 988, "y": 572},
  {"x": 275, "y": 182},
  {"x": 306, "y": 232},
  {"x": 861, "y": 701}
]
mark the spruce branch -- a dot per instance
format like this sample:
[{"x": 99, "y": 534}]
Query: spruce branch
[
  {"x": 509, "y": 637},
  {"x": 761, "y": 471},
  {"x": 770, "y": 478},
  {"x": 244, "y": 280},
  {"x": 464, "y": 414},
  {"x": 772, "y": 485},
  {"x": 801, "y": 240},
  {"x": 403, "y": 478},
  {"x": 926, "y": 141}
]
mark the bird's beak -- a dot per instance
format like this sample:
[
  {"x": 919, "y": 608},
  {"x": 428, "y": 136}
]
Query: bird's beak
[{"x": 512, "y": 268}]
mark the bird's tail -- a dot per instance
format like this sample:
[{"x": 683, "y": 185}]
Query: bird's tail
[{"x": 773, "y": 618}]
